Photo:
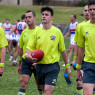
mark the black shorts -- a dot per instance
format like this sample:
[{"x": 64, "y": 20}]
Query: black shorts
[
  {"x": 47, "y": 73},
  {"x": 89, "y": 73},
  {"x": 27, "y": 68}
]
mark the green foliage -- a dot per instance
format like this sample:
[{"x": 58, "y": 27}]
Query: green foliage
[{"x": 82, "y": 3}]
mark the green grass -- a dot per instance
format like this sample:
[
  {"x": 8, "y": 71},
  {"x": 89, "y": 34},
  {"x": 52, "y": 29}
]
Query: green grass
[
  {"x": 61, "y": 14},
  {"x": 10, "y": 81}
]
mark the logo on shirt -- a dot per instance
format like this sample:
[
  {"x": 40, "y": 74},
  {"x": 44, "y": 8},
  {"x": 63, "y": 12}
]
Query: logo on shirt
[
  {"x": 24, "y": 35},
  {"x": 38, "y": 37},
  {"x": 52, "y": 37},
  {"x": 54, "y": 81},
  {"x": 86, "y": 33}
]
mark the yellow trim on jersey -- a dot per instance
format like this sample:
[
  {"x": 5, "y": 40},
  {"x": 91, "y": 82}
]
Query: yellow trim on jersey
[{"x": 50, "y": 41}]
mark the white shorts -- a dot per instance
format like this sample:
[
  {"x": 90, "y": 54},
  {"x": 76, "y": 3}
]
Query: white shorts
[
  {"x": 72, "y": 39},
  {"x": 15, "y": 37},
  {"x": 18, "y": 35},
  {"x": 7, "y": 36}
]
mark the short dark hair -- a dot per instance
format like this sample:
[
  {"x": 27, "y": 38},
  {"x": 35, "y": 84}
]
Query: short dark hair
[
  {"x": 7, "y": 19},
  {"x": 91, "y": 2},
  {"x": 14, "y": 43},
  {"x": 18, "y": 20},
  {"x": 47, "y": 9},
  {"x": 74, "y": 16},
  {"x": 32, "y": 12},
  {"x": 23, "y": 16}
]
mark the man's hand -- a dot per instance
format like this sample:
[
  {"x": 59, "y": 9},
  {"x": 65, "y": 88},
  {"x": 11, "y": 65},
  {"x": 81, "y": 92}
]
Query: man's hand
[
  {"x": 33, "y": 60},
  {"x": 19, "y": 69},
  {"x": 79, "y": 75},
  {"x": 1, "y": 71},
  {"x": 74, "y": 61},
  {"x": 69, "y": 72}
]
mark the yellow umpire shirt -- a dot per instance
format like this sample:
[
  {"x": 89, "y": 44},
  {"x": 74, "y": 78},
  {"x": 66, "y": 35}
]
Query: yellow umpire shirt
[
  {"x": 50, "y": 41},
  {"x": 26, "y": 34},
  {"x": 86, "y": 40},
  {"x": 78, "y": 30}
]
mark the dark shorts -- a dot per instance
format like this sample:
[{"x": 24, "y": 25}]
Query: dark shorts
[
  {"x": 89, "y": 73},
  {"x": 27, "y": 68},
  {"x": 47, "y": 73}
]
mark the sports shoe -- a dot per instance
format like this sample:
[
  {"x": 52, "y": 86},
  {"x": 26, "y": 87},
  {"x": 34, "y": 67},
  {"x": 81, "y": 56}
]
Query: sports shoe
[
  {"x": 63, "y": 65},
  {"x": 11, "y": 58},
  {"x": 14, "y": 63}
]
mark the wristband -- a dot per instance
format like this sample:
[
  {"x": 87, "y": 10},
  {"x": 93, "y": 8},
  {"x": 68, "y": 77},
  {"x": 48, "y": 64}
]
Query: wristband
[
  {"x": 24, "y": 55},
  {"x": 2, "y": 65},
  {"x": 20, "y": 58},
  {"x": 67, "y": 66},
  {"x": 75, "y": 57},
  {"x": 78, "y": 66}
]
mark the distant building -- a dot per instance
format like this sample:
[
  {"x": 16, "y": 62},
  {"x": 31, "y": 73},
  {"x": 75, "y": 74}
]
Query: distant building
[
  {"x": 16, "y": 2},
  {"x": 33, "y": 2}
]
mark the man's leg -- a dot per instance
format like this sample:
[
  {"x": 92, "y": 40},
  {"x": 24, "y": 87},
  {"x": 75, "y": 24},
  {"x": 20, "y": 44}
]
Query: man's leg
[
  {"x": 11, "y": 51},
  {"x": 70, "y": 52},
  {"x": 80, "y": 86},
  {"x": 24, "y": 79},
  {"x": 88, "y": 88},
  {"x": 39, "y": 87},
  {"x": 48, "y": 90},
  {"x": 15, "y": 56}
]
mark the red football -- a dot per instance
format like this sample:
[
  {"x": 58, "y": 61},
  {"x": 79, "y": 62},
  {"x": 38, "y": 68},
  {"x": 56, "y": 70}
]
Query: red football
[{"x": 39, "y": 54}]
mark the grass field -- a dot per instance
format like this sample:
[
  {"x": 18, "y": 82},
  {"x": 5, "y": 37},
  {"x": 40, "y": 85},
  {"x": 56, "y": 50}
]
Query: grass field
[
  {"x": 10, "y": 81},
  {"x": 61, "y": 14}
]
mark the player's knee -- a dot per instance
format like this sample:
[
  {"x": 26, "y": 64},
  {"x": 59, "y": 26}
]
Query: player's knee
[
  {"x": 24, "y": 83},
  {"x": 48, "y": 91},
  {"x": 79, "y": 83}
]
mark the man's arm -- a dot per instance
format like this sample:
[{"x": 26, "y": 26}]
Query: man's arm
[
  {"x": 80, "y": 57},
  {"x": 75, "y": 54},
  {"x": 14, "y": 29},
  {"x": 11, "y": 26},
  {"x": 67, "y": 66},
  {"x": 67, "y": 34},
  {"x": 3, "y": 50},
  {"x": 2, "y": 26},
  {"x": 20, "y": 59}
]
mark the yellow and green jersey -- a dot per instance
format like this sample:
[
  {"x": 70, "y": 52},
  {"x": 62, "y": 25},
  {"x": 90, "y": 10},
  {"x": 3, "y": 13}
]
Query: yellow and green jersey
[
  {"x": 50, "y": 41},
  {"x": 26, "y": 34},
  {"x": 3, "y": 40},
  {"x": 86, "y": 40},
  {"x": 78, "y": 30}
]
